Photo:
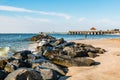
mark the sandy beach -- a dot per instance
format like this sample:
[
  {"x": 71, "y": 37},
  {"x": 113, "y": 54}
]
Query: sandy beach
[{"x": 109, "y": 67}]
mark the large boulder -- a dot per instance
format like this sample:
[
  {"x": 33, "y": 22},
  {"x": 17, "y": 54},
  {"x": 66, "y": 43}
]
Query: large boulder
[
  {"x": 79, "y": 50},
  {"x": 10, "y": 68},
  {"x": 46, "y": 47},
  {"x": 70, "y": 51},
  {"x": 3, "y": 74},
  {"x": 65, "y": 44},
  {"x": 24, "y": 55},
  {"x": 51, "y": 53},
  {"x": 90, "y": 49},
  {"x": 84, "y": 61},
  {"x": 42, "y": 36},
  {"x": 48, "y": 74},
  {"x": 81, "y": 53},
  {"x": 49, "y": 65},
  {"x": 92, "y": 55},
  {"x": 20, "y": 63},
  {"x": 69, "y": 59},
  {"x": 73, "y": 62},
  {"x": 24, "y": 74},
  {"x": 100, "y": 50},
  {"x": 3, "y": 62},
  {"x": 59, "y": 41}
]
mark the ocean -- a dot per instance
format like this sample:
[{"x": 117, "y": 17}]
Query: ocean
[{"x": 21, "y": 41}]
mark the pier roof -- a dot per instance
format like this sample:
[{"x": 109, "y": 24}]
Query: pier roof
[{"x": 93, "y": 28}]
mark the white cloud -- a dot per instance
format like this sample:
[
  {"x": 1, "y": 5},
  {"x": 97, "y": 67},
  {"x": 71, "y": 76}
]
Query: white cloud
[
  {"x": 10, "y": 8},
  {"x": 23, "y": 24},
  {"x": 16, "y": 9},
  {"x": 108, "y": 22},
  {"x": 104, "y": 20},
  {"x": 36, "y": 19},
  {"x": 81, "y": 19},
  {"x": 8, "y": 19}
]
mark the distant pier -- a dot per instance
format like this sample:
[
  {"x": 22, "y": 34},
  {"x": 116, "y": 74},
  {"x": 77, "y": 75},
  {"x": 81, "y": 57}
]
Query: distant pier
[{"x": 93, "y": 32}]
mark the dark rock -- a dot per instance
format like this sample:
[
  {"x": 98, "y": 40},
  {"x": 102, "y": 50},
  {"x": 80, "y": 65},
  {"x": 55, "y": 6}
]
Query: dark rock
[
  {"x": 24, "y": 55},
  {"x": 56, "y": 53},
  {"x": 51, "y": 54},
  {"x": 3, "y": 74},
  {"x": 101, "y": 51},
  {"x": 92, "y": 55},
  {"x": 89, "y": 49},
  {"x": 75, "y": 52},
  {"x": 43, "y": 48},
  {"x": 24, "y": 74},
  {"x": 10, "y": 68},
  {"x": 69, "y": 44},
  {"x": 84, "y": 61},
  {"x": 31, "y": 57},
  {"x": 3, "y": 62},
  {"x": 81, "y": 53},
  {"x": 48, "y": 74},
  {"x": 68, "y": 60},
  {"x": 19, "y": 63},
  {"x": 39, "y": 50},
  {"x": 62, "y": 62},
  {"x": 59, "y": 41},
  {"x": 47, "y": 47},
  {"x": 72, "y": 62},
  {"x": 58, "y": 48},
  {"x": 42, "y": 36},
  {"x": 70, "y": 50},
  {"x": 79, "y": 45},
  {"x": 97, "y": 49},
  {"x": 63, "y": 77},
  {"x": 48, "y": 65},
  {"x": 65, "y": 44},
  {"x": 17, "y": 55}
]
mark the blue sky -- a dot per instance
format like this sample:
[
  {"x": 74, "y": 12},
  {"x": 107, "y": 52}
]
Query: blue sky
[{"x": 58, "y": 15}]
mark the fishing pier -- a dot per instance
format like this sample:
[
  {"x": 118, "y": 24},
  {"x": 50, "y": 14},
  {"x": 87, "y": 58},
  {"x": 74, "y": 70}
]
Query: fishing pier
[{"x": 93, "y": 31}]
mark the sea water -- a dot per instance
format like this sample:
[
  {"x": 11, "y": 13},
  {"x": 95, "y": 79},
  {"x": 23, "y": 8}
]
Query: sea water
[
  {"x": 15, "y": 41},
  {"x": 21, "y": 41}
]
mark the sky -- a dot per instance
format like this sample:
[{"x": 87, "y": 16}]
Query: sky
[{"x": 33, "y": 16}]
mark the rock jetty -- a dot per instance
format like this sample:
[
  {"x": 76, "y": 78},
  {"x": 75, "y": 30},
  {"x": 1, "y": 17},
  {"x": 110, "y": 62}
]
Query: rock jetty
[{"x": 50, "y": 61}]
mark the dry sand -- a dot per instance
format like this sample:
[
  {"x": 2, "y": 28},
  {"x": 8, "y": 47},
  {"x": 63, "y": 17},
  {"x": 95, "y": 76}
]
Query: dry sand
[{"x": 109, "y": 67}]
